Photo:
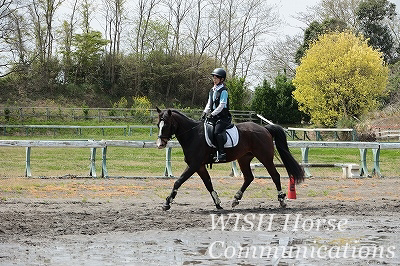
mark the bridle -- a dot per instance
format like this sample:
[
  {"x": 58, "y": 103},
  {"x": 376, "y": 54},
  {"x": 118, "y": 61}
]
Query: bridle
[
  {"x": 160, "y": 136},
  {"x": 168, "y": 138}
]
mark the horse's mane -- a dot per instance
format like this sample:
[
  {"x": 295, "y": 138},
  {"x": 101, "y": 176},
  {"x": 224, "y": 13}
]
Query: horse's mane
[{"x": 182, "y": 114}]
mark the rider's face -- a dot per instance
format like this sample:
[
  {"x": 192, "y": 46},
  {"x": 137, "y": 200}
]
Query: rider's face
[{"x": 216, "y": 80}]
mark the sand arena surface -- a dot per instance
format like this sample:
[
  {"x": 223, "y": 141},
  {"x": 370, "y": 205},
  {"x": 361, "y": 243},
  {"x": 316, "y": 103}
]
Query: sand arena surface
[{"x": 333, "y": 221}]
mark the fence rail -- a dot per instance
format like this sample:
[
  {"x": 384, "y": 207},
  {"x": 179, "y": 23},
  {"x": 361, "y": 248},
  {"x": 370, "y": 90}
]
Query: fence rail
[
  {"x": 104, "y": 144},
  {"x": 388, "y": 134},
  {"x": 30, "y": 128},
  {"x": 141, "y": 116},
  {"x": 292, "y": 131},
  {"x": 128, "y": 129},
  {"x": 318, "y": 133}
]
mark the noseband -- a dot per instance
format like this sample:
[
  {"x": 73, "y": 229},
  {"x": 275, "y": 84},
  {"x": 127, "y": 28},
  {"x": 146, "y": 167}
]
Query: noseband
[{"x": 161, "y": 136}]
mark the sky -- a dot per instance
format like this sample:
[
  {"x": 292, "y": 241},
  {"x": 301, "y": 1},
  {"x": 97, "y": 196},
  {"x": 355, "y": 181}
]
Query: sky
[{"x": 289, "y": 8}]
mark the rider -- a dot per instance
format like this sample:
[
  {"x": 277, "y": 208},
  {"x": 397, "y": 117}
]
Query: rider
[{"x": 218, "y": 109}]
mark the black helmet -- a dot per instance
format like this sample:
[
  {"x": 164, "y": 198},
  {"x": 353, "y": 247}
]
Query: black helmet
[{"x": 220, "y": 72}]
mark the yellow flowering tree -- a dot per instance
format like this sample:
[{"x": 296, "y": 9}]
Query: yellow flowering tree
[{"x": 340, "y": 77}]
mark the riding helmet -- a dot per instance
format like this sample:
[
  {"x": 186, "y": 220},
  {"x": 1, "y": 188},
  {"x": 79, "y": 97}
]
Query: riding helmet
[{"x": 220, "y": 72}]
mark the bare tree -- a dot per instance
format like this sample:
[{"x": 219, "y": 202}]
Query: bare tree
[
  {"x": 394, "y": 25},
  {"x": 114, "y": 17},
  {"x": 280, "y": 56},
  {"x": 12, "y": 37},
  {"x": 259, "y": 20},
  {"x": 142, "y": 22},
  {"x": 200, "y": 38},
  {"x": 42, "y": 14},
  {"x": 146, "y": 9},
  {"x": 67, "y": 30},
  {"x": 344, "y": 10},
  {"x": 86, "y": 12},
  {"x": 240, "y": 29},
  {"x": 178, "y": 10}
]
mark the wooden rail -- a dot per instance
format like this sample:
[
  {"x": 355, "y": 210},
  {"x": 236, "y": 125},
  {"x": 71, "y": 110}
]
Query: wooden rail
[
  {"x": 140, "y": 115},
  {"x": 291, "y": 131},
  {"x": 29, "y": 128},
  {"x": 388, "y": 134},
  {"x": 318, "y": 131},
  {"x": 348, "y": 167},
  {"x": 78, "y": 129},
  {"x": 104, "y": 144}
]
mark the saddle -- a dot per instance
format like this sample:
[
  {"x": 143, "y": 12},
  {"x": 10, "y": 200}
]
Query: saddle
[{"x": 231, "y": 135}]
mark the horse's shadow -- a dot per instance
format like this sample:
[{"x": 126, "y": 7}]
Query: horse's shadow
[{"x": 258, "y": 210}]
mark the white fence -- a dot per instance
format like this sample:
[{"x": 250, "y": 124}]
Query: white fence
[{"x": 104, "y": 144}]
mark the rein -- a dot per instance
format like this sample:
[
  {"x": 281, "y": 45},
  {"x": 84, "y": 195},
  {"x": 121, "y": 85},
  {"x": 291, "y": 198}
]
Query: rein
[
  {"x": 177, "y": 135},
  {"x": 183, "y": 133}
]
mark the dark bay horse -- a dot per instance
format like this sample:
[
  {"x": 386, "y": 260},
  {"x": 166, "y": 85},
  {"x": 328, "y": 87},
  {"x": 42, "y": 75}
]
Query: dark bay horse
[{"x": 254, "y": 141}]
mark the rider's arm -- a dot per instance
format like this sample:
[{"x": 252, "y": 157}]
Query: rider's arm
[{"x": 207, "y": 109}]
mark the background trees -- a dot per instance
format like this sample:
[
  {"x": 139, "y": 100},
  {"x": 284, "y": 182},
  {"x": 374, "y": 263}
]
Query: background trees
[
  {"x": 96, "y": 52},
  {"x": 340, "y": 77},
  {"x": 373, "y": 16},
  {"x": 161, "y": 49},
  {"x": 275, "y": 102}
]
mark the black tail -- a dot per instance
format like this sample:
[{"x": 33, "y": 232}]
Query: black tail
[{"x": 292, "y": 166}]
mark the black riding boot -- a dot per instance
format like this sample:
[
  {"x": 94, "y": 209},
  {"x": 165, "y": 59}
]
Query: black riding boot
[{"x": 221, "y": 155}]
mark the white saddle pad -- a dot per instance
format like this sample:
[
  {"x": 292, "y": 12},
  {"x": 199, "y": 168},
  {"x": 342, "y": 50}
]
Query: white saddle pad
[{"x": 232, "y": 138}]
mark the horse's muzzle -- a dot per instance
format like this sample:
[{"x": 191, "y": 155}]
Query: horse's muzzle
[{"x": 161, "y": 143}]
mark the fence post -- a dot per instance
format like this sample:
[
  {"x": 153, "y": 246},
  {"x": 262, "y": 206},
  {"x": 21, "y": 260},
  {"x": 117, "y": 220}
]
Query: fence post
[
  {"x": 28, "y": 162},
  {"x": 304, "y": 160},
  {"x": 335, "y": 135},
  {"x": 363, "y": 162},
  {"x": 235, "y": 171},
  {"x": 354, "y": 135},
  {"x": 376, "y": 154},
  {"x": 92, "y": 169},
  {"x": 318, "y": 135},
  {"x": 168, "y": 169},
  {"x": 104, "y": 172}
]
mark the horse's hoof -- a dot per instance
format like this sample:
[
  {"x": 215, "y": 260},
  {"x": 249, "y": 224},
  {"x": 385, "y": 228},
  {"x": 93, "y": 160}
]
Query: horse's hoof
[
  {"x": 166, "y": 207},
  {"x": 235, "y": 203},
  {"x": 219, "y": 207}
]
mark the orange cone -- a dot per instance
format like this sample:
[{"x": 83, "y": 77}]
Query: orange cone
[{"x": 292, "y": 188}]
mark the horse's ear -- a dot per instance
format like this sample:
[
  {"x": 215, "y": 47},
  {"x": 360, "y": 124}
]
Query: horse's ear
[
  {"x": 158, "y": 109},
  {"x": 169, "y": 112}
]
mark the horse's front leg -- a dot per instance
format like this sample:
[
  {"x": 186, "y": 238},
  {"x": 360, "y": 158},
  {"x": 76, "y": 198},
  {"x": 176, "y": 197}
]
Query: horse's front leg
[
  {"x": 189, "y": 171},
  {"x": 205, "y": 176}
]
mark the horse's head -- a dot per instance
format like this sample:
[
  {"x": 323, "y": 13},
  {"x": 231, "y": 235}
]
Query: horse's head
[{"x": 166, "y": 127}]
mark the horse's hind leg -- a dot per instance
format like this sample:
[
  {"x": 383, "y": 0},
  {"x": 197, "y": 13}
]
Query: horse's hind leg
[
  {"x": 205, "y": 176},
  {"x": 244, "y": 163},
  {"x": 266, "y": 157},
  {"x": 276, "y": 178}
]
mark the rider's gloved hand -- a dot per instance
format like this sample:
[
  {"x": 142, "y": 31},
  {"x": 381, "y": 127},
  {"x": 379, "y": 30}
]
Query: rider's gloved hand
[
  {"x": 210, "y": 117},
  {"x": 203, "y": 116}
]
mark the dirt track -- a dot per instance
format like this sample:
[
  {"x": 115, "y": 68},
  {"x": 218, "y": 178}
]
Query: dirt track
[{"x": 120, "y": 222}]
